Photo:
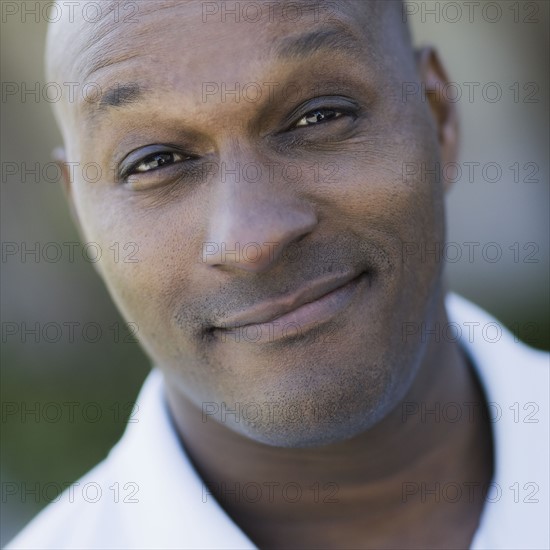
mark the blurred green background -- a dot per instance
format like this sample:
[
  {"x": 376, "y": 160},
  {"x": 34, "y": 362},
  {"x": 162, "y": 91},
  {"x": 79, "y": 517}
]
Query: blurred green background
[{"x": 105, "y": 376}]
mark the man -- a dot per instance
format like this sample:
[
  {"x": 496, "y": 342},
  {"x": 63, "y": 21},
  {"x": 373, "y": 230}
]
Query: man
[{"x": 280, "y": 292}]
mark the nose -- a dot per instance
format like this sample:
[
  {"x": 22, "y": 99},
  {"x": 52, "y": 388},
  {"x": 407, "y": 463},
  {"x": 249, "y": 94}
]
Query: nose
[{"x": 251, "y": 223}]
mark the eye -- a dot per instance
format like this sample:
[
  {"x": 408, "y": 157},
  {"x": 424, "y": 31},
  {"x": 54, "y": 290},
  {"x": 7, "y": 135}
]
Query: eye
[
  {"x": 146, "y": 162},
  {"x": 156, "y": 160},
  {"x": 318, "y": 116}
]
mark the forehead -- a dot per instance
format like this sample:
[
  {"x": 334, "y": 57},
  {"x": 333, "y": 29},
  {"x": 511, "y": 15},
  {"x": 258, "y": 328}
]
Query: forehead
[
  {"x": 174, "y": 51},
  {"x": 194, "y": 34}
]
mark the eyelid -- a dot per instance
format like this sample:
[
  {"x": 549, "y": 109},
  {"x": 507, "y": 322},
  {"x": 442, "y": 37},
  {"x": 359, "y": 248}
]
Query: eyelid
[
  {"x": 138, "y": 156},
  {"x": 342, "y": 104}
]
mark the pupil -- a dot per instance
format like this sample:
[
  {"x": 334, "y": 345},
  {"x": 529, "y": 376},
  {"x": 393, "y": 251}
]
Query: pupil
[
  {"x": 318, "y": 116},
  {"x": 161, "y": 159}
]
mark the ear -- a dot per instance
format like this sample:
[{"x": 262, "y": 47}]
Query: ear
[
  {"x": 434, "y": 79},
  {"x": 60, "y": 158}
]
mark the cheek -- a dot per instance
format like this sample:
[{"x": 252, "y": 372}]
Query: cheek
[
  {"x": 148, "y": 254},
  {"x": 372, "y": 193},
  {"x": 384, "y": 177},
  {"x": 378, "y": 199}
]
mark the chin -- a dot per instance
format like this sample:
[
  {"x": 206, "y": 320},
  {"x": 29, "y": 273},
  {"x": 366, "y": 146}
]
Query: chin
[
  {"x": 326, "y": 422},
  {"x": 305, "y": 439}
]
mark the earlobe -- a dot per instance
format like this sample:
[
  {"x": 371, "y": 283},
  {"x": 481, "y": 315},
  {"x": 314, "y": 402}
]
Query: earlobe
[{"x": 435, "y": 86}]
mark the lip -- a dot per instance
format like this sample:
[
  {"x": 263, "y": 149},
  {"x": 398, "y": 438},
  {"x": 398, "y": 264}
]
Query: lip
[{"x": 317, "y": 303}]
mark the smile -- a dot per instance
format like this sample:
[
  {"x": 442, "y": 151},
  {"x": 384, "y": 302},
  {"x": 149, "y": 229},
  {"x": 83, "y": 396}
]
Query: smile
[{"x": 319, "y": 303}]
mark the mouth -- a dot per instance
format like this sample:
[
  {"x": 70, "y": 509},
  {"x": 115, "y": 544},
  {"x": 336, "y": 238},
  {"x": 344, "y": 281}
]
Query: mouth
[{"x": 313, "y": 305}]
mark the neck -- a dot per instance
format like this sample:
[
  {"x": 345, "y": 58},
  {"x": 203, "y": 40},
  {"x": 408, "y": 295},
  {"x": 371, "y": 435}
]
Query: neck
[{"x": 383, "y": 476}]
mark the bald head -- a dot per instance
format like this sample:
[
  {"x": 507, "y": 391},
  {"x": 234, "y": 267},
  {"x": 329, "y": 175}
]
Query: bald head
[{"x": 85, "y": 43}]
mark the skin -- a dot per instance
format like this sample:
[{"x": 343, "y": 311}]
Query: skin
[{"x": 350, "y": 378}]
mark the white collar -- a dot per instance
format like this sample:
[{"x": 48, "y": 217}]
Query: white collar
[
  {"x": 516, "y": 381},
  {"x": 172, "y": 512}
]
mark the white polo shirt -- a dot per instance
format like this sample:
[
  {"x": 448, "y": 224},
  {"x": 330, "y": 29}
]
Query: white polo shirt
[{"x": 146, "y": 494}]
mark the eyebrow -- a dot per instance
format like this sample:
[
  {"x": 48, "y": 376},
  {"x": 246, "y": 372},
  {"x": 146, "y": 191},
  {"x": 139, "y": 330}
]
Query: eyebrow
[
  {"x": 309, "y": 44},
  {"x": 290, "y": 48},
  {"x": 121, "y": 94}
]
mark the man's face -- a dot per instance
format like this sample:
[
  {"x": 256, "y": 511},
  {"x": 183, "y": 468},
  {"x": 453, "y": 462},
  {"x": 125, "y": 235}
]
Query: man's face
[{"x": 258, "y": 165}]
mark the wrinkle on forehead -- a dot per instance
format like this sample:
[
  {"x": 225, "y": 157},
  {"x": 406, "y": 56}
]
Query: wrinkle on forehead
[
  {"x": 81, "y": 47},
  {"x": 78, "y": 49}
]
